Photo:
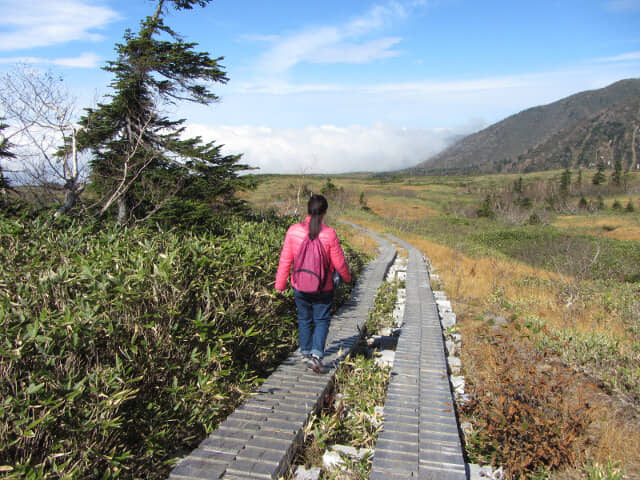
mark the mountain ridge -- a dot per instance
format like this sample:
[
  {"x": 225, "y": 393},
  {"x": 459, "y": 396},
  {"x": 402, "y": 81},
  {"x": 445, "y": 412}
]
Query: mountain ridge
[{"x": 510, "y": 144}]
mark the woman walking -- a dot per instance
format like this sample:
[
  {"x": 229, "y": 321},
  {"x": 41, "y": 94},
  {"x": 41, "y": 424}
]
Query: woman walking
[{"x": 314, "y": 308}]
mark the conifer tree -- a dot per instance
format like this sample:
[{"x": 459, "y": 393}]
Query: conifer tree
[
  {"x": 517, "y": 185},
  {"x": 565, "y": 182},
  {"x": 599, "y": 176},
  {"x": 140, "y": 162}
]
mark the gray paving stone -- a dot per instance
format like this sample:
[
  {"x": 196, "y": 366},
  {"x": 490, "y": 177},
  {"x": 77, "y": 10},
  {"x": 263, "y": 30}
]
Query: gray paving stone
[
  {"x": 396, "y": 467},
  {"x": 199, "y": 469},
  {"x": 220, "y": 444},
  {"x": 402, "y": 456},
  {"x": 451, "y": 457},
  {"x": 389, "y": 445},
  {"x": 254, "y": 469},
  {"x": 388, "y": 475}
]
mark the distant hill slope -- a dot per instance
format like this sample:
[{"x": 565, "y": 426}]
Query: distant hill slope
[
  {"x": 510, "y": 145},
  {"x": 608, "y": 136}
]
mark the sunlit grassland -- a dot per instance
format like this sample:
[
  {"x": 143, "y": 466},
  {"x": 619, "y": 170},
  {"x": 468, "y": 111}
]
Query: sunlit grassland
[
  {"x": 569, "y": 286},
  {"x": 619, "y": 226}
]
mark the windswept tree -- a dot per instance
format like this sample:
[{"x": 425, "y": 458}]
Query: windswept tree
[{"x": 140, "y": 160}]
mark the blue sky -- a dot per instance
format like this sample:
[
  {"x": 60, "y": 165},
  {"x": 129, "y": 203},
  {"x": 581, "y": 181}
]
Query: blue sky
[{"x": 338, "y": 86}]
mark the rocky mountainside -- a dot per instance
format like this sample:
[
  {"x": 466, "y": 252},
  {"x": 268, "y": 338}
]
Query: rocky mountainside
[{"x": 568, "y": 132}]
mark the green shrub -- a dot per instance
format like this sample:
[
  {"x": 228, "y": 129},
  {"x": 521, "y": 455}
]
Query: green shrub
[
  {"x": 630, "y": 207},
  {"x": 486, "y": 208},
  {"x": 122, "y": 349}
]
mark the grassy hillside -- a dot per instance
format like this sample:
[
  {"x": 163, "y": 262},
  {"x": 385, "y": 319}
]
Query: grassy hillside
[{"x": 546, "y": 293}]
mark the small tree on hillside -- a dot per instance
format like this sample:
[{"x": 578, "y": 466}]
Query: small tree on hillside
[
  {"x": 616, "y": 176},
  {"x": 517, "y": 186},
  {"x": 140, "y": 162},
  {"x": 583, "y": 204},
  {"x": 565, "y": 183},
  {"x": 599, "y": 176}
]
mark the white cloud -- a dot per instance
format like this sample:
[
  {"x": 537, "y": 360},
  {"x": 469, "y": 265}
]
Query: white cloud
[
  {"x": 329, "y": 148},
  {"x": 86, "y": 60},
  {"x": 334, "y": 44},
  {"x": 37, "y": 23},
  {"x": 625, "y": 57},
  {"x": 375, "y": 18},
  {"x": 358, "y": 53}
]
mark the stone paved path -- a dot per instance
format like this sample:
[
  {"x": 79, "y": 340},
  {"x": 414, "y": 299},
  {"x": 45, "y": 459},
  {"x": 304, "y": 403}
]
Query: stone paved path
[
  {"x": 259, "y": 439},
  {"x": 420, "y": 438}
]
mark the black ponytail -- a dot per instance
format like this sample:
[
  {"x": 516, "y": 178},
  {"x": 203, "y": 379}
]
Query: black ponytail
[{"x": 316, "y": 207}]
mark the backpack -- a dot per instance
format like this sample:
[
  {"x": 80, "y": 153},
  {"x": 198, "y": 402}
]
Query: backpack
[{"x": 310, "y": 266}]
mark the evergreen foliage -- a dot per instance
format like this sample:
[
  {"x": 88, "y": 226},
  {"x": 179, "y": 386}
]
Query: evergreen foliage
[
  {"x": 599, "y": 176},
  {"x": 565, "y": 182},
  {"x": 329, "y": 188},
  {"x": 630, "y": 207},
  {"x": 4, "y": 143},
  {"x": 616, "y": 176},
  {"x": 133, "y": 343},
  {"x": 140, "y": 161},
  {"x": 4, "y": 153},
  {"x": 486, "y": 208},
  {"x": 579, "y": 179},
  {"x": 517, "y": 186},
  {"x": 583, "y": 204}
]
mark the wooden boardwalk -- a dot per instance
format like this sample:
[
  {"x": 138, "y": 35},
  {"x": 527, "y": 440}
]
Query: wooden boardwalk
[{"x": 420, "y": 437}]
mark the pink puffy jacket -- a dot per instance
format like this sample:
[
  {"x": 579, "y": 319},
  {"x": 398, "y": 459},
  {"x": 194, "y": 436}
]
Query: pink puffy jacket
[{"x": 293, "y": 240}]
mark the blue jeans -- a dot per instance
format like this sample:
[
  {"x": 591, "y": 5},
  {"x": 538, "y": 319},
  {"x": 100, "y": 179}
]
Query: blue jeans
[{"x": 314, "y": 315}]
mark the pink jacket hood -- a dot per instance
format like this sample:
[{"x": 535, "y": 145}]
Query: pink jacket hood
[{"x": 292, "y": 241}]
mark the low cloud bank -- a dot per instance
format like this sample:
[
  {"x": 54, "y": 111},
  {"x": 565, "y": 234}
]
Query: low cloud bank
[{"x": 331, "y": 149}]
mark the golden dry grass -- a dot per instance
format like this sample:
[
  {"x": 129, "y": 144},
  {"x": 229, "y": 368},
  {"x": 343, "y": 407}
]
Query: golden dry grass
[
  {"x": 471, "y": 285},
  {"x": 482, "y": 285},
  {"x": 612, "y": 227},
  {"x": 357, "y": 238},
  {"x": 398, "y": 208}
]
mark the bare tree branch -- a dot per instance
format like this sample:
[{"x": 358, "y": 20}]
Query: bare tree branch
[{"x": 41, "y": 114}]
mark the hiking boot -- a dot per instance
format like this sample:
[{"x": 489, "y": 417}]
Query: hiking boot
[{"x": 316, "y": 365}]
